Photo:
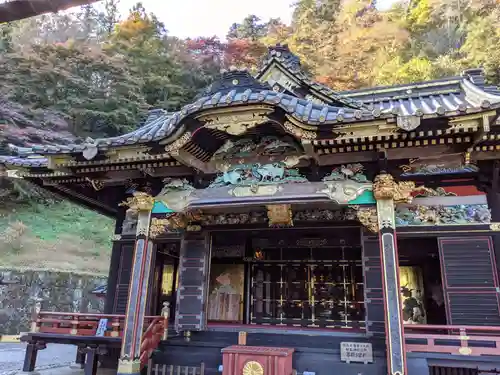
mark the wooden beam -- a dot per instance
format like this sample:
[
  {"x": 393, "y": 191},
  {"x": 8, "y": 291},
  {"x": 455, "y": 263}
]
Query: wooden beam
[{"x": 391, "y": 154}]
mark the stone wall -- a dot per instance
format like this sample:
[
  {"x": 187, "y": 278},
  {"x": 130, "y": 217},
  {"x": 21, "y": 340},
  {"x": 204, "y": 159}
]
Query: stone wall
[{"x": 54, "y": 291}]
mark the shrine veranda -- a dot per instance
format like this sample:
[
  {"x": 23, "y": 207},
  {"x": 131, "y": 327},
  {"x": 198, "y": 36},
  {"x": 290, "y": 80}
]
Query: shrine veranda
[{"x": 359, "y": 230}]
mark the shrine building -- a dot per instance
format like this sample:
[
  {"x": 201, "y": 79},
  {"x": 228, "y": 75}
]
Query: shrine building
[{"x": 274, "y": 226}]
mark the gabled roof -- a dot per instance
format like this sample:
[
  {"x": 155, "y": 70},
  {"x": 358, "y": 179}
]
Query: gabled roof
[
  {"x": 448, "y": 96},
  {"x": 451, "y": 97},
  {"x": 281, "y": 56},
  {"x": 461, "y": 94},
  {"x": 235, "y": 88}
]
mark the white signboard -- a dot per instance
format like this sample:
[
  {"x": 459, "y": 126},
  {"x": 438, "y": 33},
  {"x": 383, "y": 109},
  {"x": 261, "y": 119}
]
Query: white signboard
[
  {"x": 101, "y": 328},
  {"x": 356, "y": 352}
]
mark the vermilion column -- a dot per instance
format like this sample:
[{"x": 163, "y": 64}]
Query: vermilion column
[
  {"x": 387, "y": 192},
  {"x": 137, "y": 296}
]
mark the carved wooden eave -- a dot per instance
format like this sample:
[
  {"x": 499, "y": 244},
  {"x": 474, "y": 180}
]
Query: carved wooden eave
[{"x": 235, "y": 121}]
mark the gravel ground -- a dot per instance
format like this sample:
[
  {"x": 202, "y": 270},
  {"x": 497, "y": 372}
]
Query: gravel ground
[{"x": 12, "y": 357}]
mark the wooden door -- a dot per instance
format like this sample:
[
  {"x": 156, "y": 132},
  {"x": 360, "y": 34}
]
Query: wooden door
[{"x": 470, "y": 280}]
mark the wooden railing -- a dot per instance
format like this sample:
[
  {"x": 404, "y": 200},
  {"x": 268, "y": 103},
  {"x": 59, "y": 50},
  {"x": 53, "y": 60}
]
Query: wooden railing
[
  {"x": 81, "y": 324},
  {"x": 463, "y": 340}
]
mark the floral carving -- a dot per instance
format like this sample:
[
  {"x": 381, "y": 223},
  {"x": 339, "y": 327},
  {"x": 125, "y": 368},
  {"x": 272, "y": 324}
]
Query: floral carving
[
  {"x": 140, "y": 201},
  {"x": 234, "y": 219},
  {"x": 442, "y": 215},
  {"x": 367, "y": 216},
  {"x": 269, "y": 145},
  {"x": 347, "y": 172},
  {"x": 342, "y": 214}
]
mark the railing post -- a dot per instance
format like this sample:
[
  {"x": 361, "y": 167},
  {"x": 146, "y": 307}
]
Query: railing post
[
  {"x": 165, "y": 312},
  {"x": 35, "y": 326},
  {"x": 74, "y": 325}
]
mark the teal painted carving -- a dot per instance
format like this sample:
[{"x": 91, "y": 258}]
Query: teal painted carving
[
  {"x": 442, "y": 215},
  {"x": 269, "y": 145},
  {"x": 257, "y": 174},
  {"x": 347, "y": 172},
  {"x": 365, "y": 198},
  {"x": 176, "y": 194}
]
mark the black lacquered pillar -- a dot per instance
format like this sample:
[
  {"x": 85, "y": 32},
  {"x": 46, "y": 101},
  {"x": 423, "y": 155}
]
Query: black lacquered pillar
[
  {"x": 387, "y": 192},
  {"x": 137, "y": 296}
]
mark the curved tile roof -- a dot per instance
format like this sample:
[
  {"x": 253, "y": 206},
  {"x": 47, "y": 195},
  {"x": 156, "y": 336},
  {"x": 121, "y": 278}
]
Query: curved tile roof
[
  {"x": 452, "y": 96},
  {"x": 466, "y": 93},
  {"x": 283, "y": 56},
  {"x": 19, "y": 161},
  {"x": 166, "y": 124}
]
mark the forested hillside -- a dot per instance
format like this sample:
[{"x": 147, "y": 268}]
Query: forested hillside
[{"x": 94, "y": 72}]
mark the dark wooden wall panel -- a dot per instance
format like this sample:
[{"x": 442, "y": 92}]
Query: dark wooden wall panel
[
  {"x": 193, "y": 279},
  {"x": 123, "y": 279},
  {"x": 470, "y": 280},
  {"x": 375, "y": 314}
]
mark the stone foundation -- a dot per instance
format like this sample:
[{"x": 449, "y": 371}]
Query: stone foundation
[{"x": 51, "y": 290}]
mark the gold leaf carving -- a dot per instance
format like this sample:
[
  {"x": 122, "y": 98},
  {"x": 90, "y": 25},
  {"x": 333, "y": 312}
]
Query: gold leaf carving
[
  {"x": 236, "y": 123},
  {"x": 139, "y": 202},
  {"x": 299, "y": 132},
  {"x": 385, "y": 187},
  {"x": 367, "y": 216},
  {"x": 253, "y": 368},
  {"x": 280, "y": 215}
]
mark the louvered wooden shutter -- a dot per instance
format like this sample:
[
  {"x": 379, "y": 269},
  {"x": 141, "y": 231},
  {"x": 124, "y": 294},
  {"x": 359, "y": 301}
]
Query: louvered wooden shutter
[
  {"x": 470, "y": 281},
  {"x": 193, "y": 280},
  {"x": 123, "y": 282},
  {"x": 373, "y": 287}
]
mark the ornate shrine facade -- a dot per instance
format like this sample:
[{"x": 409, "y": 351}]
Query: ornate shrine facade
[{"x": 359, "y": 230}]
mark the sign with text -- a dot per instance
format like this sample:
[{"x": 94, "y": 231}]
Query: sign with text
[
  {"x": 356, "y": 352},
  {"x": 101, "y": 328}
]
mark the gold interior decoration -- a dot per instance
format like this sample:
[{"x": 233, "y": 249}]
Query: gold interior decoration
[
  {"x": 235, "y": 121},
  {"x": 139, "y": 202},
  {"x": 280, "y": 215},
  {"x": 253, "y": 368},
  {"x": 367, "y": 216}
]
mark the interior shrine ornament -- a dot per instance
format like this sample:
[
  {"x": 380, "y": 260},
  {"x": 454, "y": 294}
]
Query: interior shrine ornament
[
  {"x": 280, "y": 215},
  {"x": 346, "y": 183}
]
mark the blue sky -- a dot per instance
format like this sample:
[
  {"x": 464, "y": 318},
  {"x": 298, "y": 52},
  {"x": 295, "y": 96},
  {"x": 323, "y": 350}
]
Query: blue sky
[{"x": 191, "y": 18}]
